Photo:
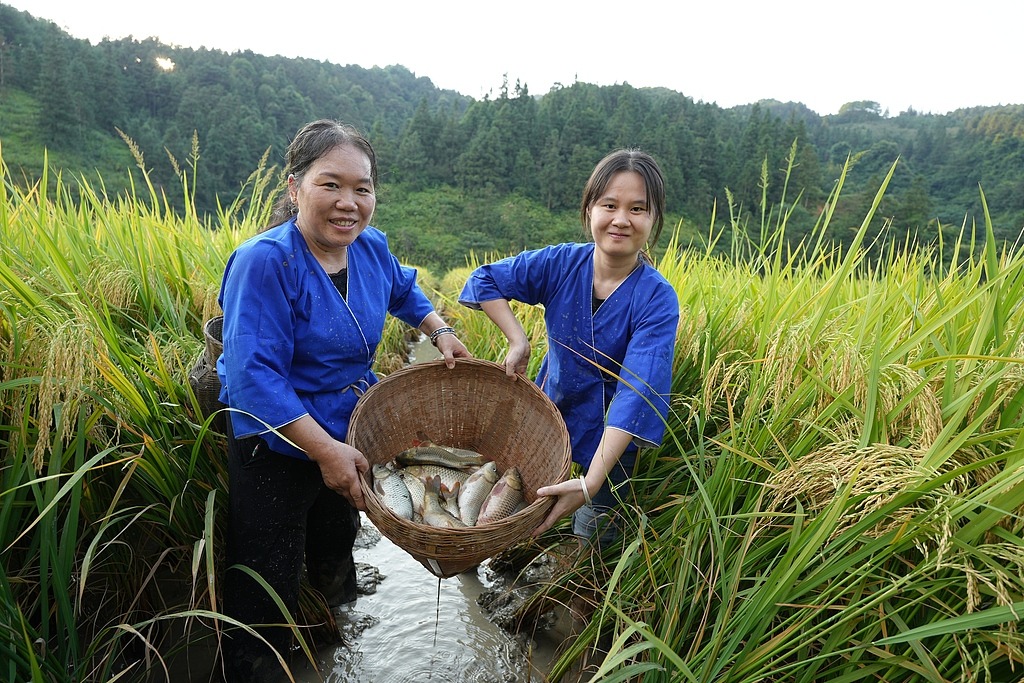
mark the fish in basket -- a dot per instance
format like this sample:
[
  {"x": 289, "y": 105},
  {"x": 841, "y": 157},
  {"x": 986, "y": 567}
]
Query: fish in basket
[
  {"x": 448, "y": 487},
  {"x": 471, "y": 447}
]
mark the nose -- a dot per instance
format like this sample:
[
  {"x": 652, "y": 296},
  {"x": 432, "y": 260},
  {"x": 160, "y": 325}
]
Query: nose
[
  {"x": 346, "y": 199},
  {"x": 621, "y": 218}
]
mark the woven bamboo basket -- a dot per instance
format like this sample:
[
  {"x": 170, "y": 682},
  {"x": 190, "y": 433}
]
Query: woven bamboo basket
[
  {"x": 203, "y": 376},
  {"x": 473, "y": 406}
]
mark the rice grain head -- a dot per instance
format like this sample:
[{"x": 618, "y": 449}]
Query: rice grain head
[
  {"x": 113, "y": 285},
  {"x": 204, "y": 299},
  {"x": 792, "y": 352},
  {"x": 67, "y": 372},
  {"x": 874, "y": 474},
  {"x": 920, "y": 421},
  {"x": 725, "y": 383}
]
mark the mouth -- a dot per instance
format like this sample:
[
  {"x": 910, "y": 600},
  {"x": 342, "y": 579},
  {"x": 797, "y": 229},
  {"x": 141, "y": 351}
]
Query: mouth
[{"x": 343, "y": 223}]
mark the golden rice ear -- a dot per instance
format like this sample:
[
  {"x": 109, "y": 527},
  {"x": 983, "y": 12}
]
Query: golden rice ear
[{"x": 474, "y": 406}]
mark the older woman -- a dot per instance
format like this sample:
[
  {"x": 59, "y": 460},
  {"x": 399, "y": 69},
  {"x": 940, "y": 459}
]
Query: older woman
[{"x": 304, "y": 308}]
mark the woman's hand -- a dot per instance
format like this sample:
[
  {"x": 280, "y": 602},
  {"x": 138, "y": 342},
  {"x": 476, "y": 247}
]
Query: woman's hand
[
  {"x": 451, "y": 347},
  {"x": 571, "y": 493},
  {"x": 448, "y": 344},
  {"x": 518, "y": 357},
  {"x": 569, "y": 499},
  {"x": 340, "y": 466}
]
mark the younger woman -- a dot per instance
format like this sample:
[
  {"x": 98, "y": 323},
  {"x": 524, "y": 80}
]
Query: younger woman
[{"x": 611, "y": 322}]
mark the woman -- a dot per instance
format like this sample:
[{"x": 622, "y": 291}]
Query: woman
[
  {"x": 304, "y": 307},
  {"x": 611, "y": 322}
]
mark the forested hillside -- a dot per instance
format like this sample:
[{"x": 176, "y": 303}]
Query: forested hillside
[{"x": 496, "y": 174}]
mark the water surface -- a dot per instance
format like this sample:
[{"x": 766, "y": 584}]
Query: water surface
[{"x": 417, "y": 627}]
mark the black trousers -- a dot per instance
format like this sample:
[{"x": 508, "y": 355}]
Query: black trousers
[{"x": 280, "y": 514}]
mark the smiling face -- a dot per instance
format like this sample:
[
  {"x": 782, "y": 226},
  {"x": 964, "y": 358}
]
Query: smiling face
[
  {"x": 620, "y": 220},
  {"x": 335, "y": 198}
]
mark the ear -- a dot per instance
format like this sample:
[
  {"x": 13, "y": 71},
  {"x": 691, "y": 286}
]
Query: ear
[{"x": 293, "y": 187}]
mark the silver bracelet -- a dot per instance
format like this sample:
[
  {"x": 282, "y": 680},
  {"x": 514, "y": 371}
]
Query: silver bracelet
[
  {"x": 438, "y": 332},
  {"x": 586, "y": 493}
]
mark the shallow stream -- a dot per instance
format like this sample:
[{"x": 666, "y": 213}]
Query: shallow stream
[{"x": 417, "y": 627}]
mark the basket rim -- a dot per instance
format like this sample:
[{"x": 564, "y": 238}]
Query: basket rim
[{"x": 491, "y": 366}]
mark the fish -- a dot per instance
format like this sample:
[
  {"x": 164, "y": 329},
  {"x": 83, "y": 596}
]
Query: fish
[
  {"x": 443, "y": 456},
  {"x": 450, "y": 499},
  {"x": 423, "y": 440},
  {"x": 434, "y": 513},
  {"x": 503, "y": 499},
  {"x": 391, "y": 487},
  {"x": 475, "y": 491},
  {"x": 415, "y": 486},
  {"x": 448, "y": 476}
]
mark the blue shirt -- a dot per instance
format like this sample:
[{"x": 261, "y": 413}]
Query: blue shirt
[
  {"x": 612, "y": 367},
  {"x": 292, "y": 344}
]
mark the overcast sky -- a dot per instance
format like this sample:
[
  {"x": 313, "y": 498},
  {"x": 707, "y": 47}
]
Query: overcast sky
[{"x": 934, "y": 57}]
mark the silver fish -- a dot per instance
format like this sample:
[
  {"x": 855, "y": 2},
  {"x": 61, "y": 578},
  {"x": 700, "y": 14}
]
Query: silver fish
[
  {"x": 503, "y": 499},
  {"x": 475, "y": 491},
  {"x": 448, "y": 476},
  {"x": 390, "y": 486},
  {"x": 415, "y": 486},
  {"x": 434, "y": 513},
  {"x": 433, "y": 454}
]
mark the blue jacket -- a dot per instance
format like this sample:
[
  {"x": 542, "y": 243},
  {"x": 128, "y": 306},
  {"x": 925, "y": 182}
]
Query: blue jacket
[
  {"x": 612, "y": 367},
  {"x": 292, "y": 344}
]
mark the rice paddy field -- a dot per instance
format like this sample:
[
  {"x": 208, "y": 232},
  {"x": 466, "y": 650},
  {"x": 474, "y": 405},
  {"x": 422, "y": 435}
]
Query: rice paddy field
[{"x": 838, "y": 498}]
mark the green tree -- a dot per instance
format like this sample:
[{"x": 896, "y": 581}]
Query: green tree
[
  {"x": 914, "y": 210},
  {"x": 412, "y": 162},
  {"x": 58, "y": 111}
]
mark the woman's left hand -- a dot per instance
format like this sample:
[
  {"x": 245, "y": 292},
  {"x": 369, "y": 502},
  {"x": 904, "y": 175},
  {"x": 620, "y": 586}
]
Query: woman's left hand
[
  {"x": 569, "y": 499},
  {"x": 451, "y": 347}
]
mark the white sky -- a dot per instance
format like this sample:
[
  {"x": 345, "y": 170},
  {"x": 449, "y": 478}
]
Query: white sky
[{"x": 932, "y": 56}]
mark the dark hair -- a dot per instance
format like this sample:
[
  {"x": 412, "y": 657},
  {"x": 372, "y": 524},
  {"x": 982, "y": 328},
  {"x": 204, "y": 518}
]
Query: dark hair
[
  {"x": 627, "y": 160},
  {"x": 310, "y": 144}
]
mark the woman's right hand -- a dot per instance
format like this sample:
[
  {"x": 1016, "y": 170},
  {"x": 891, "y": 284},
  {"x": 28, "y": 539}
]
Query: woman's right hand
[
  {"x": 518, "y": 357},
  {"x": 341, "y": 466}
]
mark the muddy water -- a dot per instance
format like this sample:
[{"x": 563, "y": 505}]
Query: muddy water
[{"x": 417, "y": 628}]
